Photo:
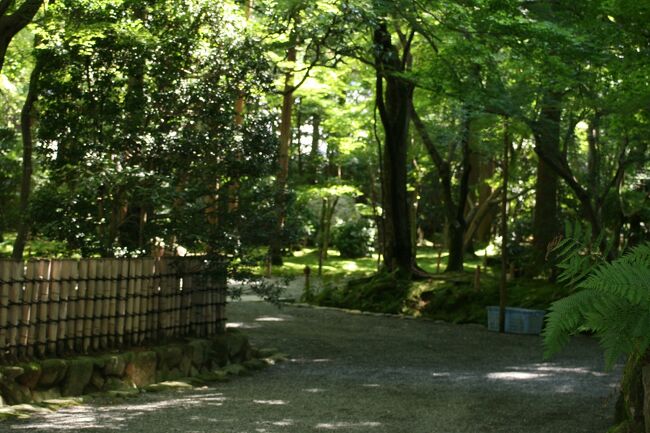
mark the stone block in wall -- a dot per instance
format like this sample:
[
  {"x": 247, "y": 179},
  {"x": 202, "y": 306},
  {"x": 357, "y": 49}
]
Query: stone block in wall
[
  {"x": 185, "y": 366},
  {"x": 114, "y": 365},
  {"x": 199, "y": 349},
  {"x": 170, "y": 356},
  {"x": 142, "y": 368},
  {"x": 80, "y": 371},
  {"x": 115, "y": 384},
  {"x": 53, "y": 371},
  {"x": 31, "y": 375},
  {"x": 14, "y": 393}
]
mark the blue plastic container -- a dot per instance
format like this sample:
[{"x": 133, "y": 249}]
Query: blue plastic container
[{"x": 518, "y": 320}]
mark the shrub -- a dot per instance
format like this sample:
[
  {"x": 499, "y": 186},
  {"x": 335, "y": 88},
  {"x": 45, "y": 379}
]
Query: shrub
[{"x": 353, "y": 239}]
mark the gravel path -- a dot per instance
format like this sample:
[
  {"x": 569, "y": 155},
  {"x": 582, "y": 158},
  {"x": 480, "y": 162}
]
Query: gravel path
[{"x": 359, "y": 373}]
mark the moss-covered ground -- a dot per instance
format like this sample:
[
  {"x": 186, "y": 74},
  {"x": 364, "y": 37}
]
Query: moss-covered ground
[{"x": 452, "y": 297}]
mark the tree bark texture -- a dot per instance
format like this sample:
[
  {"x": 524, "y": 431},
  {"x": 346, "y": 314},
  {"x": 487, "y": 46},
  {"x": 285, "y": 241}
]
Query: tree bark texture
[
  {"x": 393, "y": 102},
  {"x": 546, "y": 131}
]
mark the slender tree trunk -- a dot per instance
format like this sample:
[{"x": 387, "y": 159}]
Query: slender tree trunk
[
  {"x": 26, "y": 121},
  {"x": 275, "y": 249},
  {"x": 314, "y": 152}
]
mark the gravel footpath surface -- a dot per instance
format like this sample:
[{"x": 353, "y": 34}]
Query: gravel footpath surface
[{"x": 359, "y": 373}]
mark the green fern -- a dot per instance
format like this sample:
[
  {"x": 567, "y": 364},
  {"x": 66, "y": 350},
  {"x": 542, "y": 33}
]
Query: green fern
[{"x": 612, "y": 299}]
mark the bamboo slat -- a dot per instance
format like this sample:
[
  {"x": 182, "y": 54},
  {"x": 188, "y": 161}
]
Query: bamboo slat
[
  {"x": 104, "y": 271},
  {"x": 64, "y": 306},
  {"x": 145, "y": 310},
  {"x": 53, "y": 306},
  {"x": 137, "y": 300},
  {"x": 43, "y": 284},
  {"x": 5, "y": 284},
  {"x": 130, "y": 302},
  {"x": 82, "y": 293},
  {"x": 31, "y": 296},
  {"x": 114, "y": 267},
  {"x": 121, "y": 303},
  {"x": 90, "y": 323},
  {"x": 15, "y": 292},
  {"x": 73, "y": 305}
]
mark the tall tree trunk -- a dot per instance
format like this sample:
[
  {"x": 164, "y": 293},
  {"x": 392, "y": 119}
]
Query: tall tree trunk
[
  {"x": 275, "y": 248},
  {"x": 314, "y": 152},
  {"x": 26, "y": 121},
  {"x": 503, "y": 294},
  {"x": 393, "y": 103},
  {"x": 546, "y": 131}
]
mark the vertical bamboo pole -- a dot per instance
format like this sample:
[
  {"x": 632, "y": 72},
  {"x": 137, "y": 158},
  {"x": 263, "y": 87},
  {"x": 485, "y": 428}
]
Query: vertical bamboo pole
[
  {"x": 145, "y": 306},
  {"x": 106, "y": 302},
  {"x": 177, "y": 297},
  {"x": 122, "y": 290},
  {"x": 137, "y": 300},
  {"x": 5, "y": 285},
  {"x": 73, "y": 306},
  {"x": 25, "y": 314},
  {"x": 163, "y": 318},
  {"x": 101, "y": 307},
  {"x": 89, "y": 326},
  {"x": 155, "y": 316},
  {"x": 66, "y": 314},
  {"x": 53, "y": 306},
  {"x": 114, "y": 266},
  {"x": 82, "y": 293},
  {"x": 15, "y": 295},
  {"x": 43, "y": 302},
  {"x": 32, "y": 297},
  {"x": 130, "y": 302}
]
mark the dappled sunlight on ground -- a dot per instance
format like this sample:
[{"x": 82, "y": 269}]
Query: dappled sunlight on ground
[{"x": 346, "y": 425}]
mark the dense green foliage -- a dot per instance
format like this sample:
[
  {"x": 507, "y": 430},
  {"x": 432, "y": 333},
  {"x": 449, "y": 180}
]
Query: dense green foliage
[{"x": 612, "y": 299}]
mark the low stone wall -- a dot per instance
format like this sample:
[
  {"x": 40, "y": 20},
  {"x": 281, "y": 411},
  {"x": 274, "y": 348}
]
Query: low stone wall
[{"x": 48, "y": 379}]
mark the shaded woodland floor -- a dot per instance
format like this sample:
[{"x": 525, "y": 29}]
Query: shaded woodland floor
[{"x": 352, "y": 372}]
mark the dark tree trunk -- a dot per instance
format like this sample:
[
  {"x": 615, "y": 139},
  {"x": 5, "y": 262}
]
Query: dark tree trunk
[
  {"x": 393, "y": 103},
  {"x": 545, "y": 218},
  {"x": 454, "y": 211},
  {"x": 26, "y": 120},
  {"x": 314, "y": 158}
]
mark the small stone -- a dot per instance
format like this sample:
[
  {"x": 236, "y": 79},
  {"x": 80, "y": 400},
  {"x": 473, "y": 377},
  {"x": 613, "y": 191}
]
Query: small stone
[
  {"x": 115, "y": 384},
  {"x": 11, "y": 372},
  {"x": 8, "y": 413},
  {"x": 15, "y": 393},
  {"x": 142, "y": 369},
  {"x": 53, "y": 371},
  {"x": 97, "y": 380},
  {"x": 80, "y": 371},
  {"x": 40, "y": 396},
  {"x": 235, "y": 370},
  {"x": 31, "y": 375},
  {"x": 60, "y": 403},
  {"x": 114, "y": 365},
  {"x": 166, "y": 386}
]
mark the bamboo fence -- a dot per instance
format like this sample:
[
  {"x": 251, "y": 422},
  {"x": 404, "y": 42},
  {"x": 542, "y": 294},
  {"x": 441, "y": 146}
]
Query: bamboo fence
[{"x": 65, "y": 307}]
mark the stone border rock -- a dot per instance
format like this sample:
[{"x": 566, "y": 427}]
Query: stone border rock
[{"x": 193, "y": 362}]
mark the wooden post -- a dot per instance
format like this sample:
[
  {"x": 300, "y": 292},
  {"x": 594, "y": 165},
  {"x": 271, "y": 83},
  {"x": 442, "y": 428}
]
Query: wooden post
[
  {"x": 155, "y": 319},
  {"x": 308, "y": 296},
  {"x": 477, "y": 278},
  {"x": 103, "y": 289},
  {"x": 438, "y": 260}
]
